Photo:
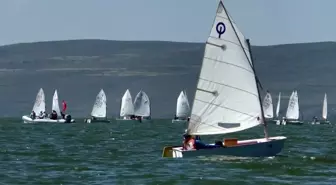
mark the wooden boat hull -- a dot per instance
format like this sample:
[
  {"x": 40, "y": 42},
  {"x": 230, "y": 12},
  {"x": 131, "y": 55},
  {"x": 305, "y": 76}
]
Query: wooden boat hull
[
  {"x": 27, "y": 119},
  {"x": 245, "y": 148},
  {"x": 179, "y": 121}
]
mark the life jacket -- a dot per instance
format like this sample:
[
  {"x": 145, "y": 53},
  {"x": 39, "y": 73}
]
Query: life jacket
[{"x": 189, "y": 145}]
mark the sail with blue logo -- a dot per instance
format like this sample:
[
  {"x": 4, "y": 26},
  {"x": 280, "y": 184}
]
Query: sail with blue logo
[{"x": 227, "y": 97}]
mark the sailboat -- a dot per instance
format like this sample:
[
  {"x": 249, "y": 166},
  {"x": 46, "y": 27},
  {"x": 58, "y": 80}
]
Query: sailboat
[
  {"x": 268, "y": 107},
  {"x": 98, "y": 113},
  {"x": 40, "y": 108},
  {"x": 324, "y": 112},
  {"x": 227, "y": 98},
  {"x": 142, "y": 109},
  {"x": 277, "y": 121},
  {"x": 126, "y": 107},
  {"x": 182, "y": 109},
  {"x": 293, "y": 111}
]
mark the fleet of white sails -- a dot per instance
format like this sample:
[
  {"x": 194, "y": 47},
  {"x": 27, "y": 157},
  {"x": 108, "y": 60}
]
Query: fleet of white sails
[{"x": 140, "y": 106}]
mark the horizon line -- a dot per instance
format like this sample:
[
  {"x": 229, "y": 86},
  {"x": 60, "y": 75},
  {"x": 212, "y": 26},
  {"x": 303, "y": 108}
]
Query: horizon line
[{"x": 167, "y": 41}]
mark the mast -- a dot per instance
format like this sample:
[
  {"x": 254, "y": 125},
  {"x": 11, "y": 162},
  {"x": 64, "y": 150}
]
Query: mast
[
  {"x": 262, "y": 110},
  {"x": 252, "y": 66}
]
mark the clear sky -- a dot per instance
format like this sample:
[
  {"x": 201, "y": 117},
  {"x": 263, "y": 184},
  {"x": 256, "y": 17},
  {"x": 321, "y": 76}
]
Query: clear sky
[{"x": 265, "y": 22}]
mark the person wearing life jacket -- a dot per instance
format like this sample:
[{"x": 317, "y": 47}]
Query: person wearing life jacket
[{"x": 189, "y": 142}]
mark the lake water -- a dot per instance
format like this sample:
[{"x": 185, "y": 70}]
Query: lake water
[{"x": 130, "y": 153}]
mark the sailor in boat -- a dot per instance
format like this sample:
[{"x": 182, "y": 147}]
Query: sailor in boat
[
  {"x": 314, "y": 119},
  {"x": 45, "y": 115},
  {"x": 53, "y": 115},
  {"x": 175, "y": 117},
  {"x": 41, "y": 115},
  {"x": 284, "y": 120},
  {"x": 189, "y": 143},
  {"x": 33, "y": 115}
]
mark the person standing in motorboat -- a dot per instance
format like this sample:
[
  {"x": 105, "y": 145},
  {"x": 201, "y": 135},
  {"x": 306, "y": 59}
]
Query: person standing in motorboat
[{"x": 64, "y": 106}]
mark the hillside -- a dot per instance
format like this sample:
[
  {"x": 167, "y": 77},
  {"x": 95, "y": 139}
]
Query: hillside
[{"x": 79, "y": 68}]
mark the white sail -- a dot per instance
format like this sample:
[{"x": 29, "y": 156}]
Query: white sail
[
  {"x": 227, "y": 97},
  {"x": 39, "y": 104},
  {"x": 142, "y": 105},
  {"x": 127, "y": 108},
  {"x": 268, "y": 106},
  {"x": 278, "y": 105},
  {"x": 55, "y": 105},
  {"x": 182, "y": 106},
  {"x": 293, "y": 107},
  {"x": 325, "y": 107},
  {"x": 99, "y": 107}
]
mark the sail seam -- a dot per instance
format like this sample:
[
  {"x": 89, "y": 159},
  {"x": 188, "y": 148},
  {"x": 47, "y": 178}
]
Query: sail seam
[
  {"x": 220, "y": 61},
  {"x": 229, "y": 86},
  {"x": 209, "y": 103}
]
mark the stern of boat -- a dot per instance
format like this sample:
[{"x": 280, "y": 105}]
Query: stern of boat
[{"x": 172, "y": 152}]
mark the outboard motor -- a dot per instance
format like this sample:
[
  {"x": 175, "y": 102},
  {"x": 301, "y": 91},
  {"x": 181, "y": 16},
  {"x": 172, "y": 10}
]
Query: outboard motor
[{"x": 67, "y": 118}]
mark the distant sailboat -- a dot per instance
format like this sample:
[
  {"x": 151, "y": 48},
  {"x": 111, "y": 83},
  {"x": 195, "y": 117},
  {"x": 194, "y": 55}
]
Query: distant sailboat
[
  {"x": 40, "y": 107},
  {"x": 126, "y": 107},
  {"x": 182, "y": 108},
  {"x": 277, "y": 121},
  {"x": 227, "y": 98},
  {"x": 268, "y": 106},
  {"x": 142, "y": 109},
  {"x": 324, "y": 112},
  {"x": 98, "y": 113},
  {"x": 293, "y": 111}
]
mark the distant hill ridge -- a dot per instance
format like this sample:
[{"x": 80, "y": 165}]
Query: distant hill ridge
[
  {"x": 92, "y": 47},
  {"x": 79, "y": 68}
]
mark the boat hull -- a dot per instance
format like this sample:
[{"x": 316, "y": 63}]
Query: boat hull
[
  {"x": 321, "y": 123},
  {"x": 27, "y": 119},
  {"x": 179, "y": 121},
  {"x": 245, "y": 148},
  {"x": 292, "y": 122},
  {"x": 132, "y": 120},
  {"x": 89, "y": 120}
]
